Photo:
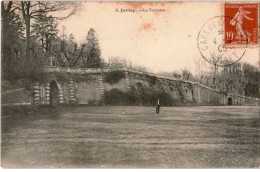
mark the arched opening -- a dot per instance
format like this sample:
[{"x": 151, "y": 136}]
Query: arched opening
[
  {"x": 139, "y": 85},
  {"x": 54, "y": 93},
  {"x": 229, "y": 101}
]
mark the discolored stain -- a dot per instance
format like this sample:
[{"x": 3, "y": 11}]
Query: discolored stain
[
  {"x": 156, "y": 13},
  {"x": 146, "y": 27},
  {"x": 189, "y": 36},
  {"x": 142, "y": 4}
]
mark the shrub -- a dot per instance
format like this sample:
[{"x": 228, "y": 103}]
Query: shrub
[
  {"x": 150, "y": 95},
  {"x": 114, "y": 97},
  {"x": 29, "y": 70},
  {"x": 131, "y": 98},
  {"x": 114, "y": 77},
  {"x": 145, "y": 96},
  {"x": 152, "y": 80}
]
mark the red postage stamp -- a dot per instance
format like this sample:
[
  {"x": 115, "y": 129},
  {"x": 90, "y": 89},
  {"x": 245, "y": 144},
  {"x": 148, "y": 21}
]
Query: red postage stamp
[{"x": 241, "y": 24}]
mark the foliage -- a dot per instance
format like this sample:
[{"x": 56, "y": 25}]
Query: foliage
[
  {"x": 114, "y": 97},
  {"x": 186, "y": 75},
  {"x": 26, "y": 58},
  {"x": 30, "y": 70},
  {"x": 251, "y": 73},
  {"x": 176, "y": 74},
  {"x": 93, "y": 51},
  {"x": 150, "y": 95},
  {"x": 44, "y": 30},
  {"x": 153, "y": 80},
  {"x": 117, "y": 62},
  {"x": 114, "y": 77},
  {"x": 239, "y": 78},
  {"x": 252, "y": 89},
  {"x": 144, "y": 96},
  {"x": 70, "y": 54},
  {"x": 12, "y": 37},
  {"x": 253, "y": 80},
  {"x": 37, "y": 9}
]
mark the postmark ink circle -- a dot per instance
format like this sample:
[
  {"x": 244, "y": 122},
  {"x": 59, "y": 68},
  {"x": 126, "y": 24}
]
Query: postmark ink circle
[{"x": 216, "y": 46}]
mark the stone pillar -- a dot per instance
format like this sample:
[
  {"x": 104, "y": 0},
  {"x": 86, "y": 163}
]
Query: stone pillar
[
  {"x": 72, "y": 91},
  {"x": 47, "y": 93},
  {"x": 100, "y": 85},
  {"x": 36, "y": 93},
  {"x": 127, "y": 82},
  {"x": 61, "y": 98}
]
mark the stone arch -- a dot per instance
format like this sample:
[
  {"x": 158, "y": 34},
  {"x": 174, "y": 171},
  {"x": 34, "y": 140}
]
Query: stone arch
[
  {"x": 56, "y": 93},
  {"x": 188, "y": 93},
  {"x": 139, "y": 85},
  {"x": 230, "y": 101}
]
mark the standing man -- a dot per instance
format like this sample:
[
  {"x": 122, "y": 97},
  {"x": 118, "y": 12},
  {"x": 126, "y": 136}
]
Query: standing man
[{"x": 158, "y": 106}]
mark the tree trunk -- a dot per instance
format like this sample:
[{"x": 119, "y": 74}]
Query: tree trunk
[
  {"x": 6, "y": 45},
  {"x": 214, "y": 76},
  {"x": 47, "y": 43},
  {"x": 28, "y": 36}
]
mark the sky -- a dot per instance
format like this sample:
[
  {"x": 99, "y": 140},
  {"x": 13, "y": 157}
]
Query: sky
[{"x": 160, "y": 41}]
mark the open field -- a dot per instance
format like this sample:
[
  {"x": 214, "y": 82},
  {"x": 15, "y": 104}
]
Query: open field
[{"x": 126, "y": 137}]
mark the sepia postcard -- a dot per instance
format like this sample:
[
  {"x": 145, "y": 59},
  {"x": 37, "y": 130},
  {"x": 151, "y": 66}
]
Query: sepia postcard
[{"x": 120, "y": 84}]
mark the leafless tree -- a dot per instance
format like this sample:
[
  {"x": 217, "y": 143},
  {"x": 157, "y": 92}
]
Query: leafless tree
[
  {"x": 200, "y": 69},
  {"x": 35, "y": 9}
]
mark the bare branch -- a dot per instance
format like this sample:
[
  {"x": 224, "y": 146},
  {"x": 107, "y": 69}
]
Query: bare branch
[{"x": 83, "y": 46}]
